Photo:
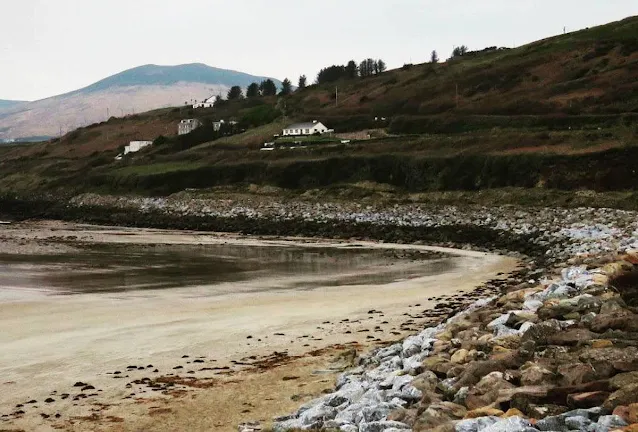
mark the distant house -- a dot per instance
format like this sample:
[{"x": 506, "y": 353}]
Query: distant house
[
  {"x": 218, "y": 125},
  {"x": 187, "y": 126},
  {"x": 309, "y": 128},
  {"x": 207, "y": 103},
  {"x": 134, "y": 147}
]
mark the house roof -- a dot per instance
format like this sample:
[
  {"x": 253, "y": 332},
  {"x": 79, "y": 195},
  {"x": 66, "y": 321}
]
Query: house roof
[{"x": 307, "y": 125}]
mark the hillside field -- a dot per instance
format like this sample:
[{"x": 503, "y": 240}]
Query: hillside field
[{"x": 558, "y": 115}]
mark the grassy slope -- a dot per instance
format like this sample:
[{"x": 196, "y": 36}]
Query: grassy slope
[{"x": 570, "y": 95}]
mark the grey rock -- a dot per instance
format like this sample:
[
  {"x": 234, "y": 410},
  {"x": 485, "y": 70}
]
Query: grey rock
[
  {"x": 318, "y": 413},
  {"x": 408, "y": 393},
  {"x": 610, "y": 422},
  {"x": 287, "y": 425},
  {"x": 461, "y": 395},
  {"x": 381, "y": 426},
  {"x": 559, "y": 422},
  {"x": 412, "y": 345},
  {"x": 413, "y": 365},
  {"x": 351, "y": 414},
  {"x": 552, "y": 423},
  {"x": 577, "y": 423},
  {"x": 348, "y": 393},
  {"x": 349, "y": 428},
  {"x": 377, "y": 412},
  {"x": 391, "y": 351},
  {"x": 447, "y": 387},
  {"x": 475, "y": 425},
  {"x": 512, "y": 424}
]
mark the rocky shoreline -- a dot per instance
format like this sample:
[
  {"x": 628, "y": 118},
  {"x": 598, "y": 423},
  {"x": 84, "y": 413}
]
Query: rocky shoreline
[{"x": 555, "y": 350}]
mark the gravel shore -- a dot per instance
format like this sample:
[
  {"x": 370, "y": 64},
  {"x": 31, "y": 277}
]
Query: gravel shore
[{"x": 554, "y": 348}]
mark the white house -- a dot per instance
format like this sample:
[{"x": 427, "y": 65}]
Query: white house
[
  {"x": 187, "y": 126},
  {"x": 309, "y": 128},
  {"x": 207, "y": 103},
  {"x": 136, "y": 146}
]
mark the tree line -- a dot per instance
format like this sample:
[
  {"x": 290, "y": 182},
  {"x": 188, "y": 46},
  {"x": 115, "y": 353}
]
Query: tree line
[
  {"x": 254, "y": 90},
  {"x": 366, "y": 68}
]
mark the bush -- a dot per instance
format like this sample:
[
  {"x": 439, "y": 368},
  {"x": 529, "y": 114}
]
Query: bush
[
  {"x": 160, "y": 140},
  {"x": 260, "y": 115}
]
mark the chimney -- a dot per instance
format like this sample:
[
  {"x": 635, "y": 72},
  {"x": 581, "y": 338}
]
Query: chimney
[{"x": 314, "y": 122}]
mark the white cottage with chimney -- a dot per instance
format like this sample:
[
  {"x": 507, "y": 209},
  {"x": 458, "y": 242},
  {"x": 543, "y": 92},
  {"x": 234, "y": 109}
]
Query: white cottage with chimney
[{"x": 309, "y": 128}]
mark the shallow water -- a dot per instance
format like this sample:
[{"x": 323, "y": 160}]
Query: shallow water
[{"x": 120, "y": 268}]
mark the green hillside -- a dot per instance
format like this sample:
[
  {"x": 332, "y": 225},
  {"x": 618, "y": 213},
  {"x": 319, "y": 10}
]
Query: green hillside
[{"x": 558, "y": 115}]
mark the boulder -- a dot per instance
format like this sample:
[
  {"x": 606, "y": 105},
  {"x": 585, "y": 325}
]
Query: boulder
[
  {"x": 571, "y": 337},
  {"x": 628, "y": 413},
  {"x": 559, "y": 308},
  {"x": 611, "y": 359},
  {"x": 587, "y": 400},
  {"x": 382, "y": 426},
  {"x": 578, "y": 417},
  {"x": 448, "y": 387},
  {"x": 578, "y": 423},
  {"x": 475, "y": 425},
  {"x": 350, "y": 393},
  {"x": 461, "y": 396},
  {"x": 545, "y": 410},
  {"x": 412, "y": 345},
  {"x": 513, "y": 412},
  {"x": 487, "y": 391},
  {"x": 437, "y": 364},
  {"x": 460, "y": 356},
  {"x": 601, "y": 343},
  {"x": 439, "y": 413},
  {"x": 540, "y": 332},
  {"x": 512, "y": 424},
  {"x": 407, "y": 416},
  {"x": 484, "y": 412},
  {"x": 378, "y": 412},
  {"x": 535, "y": 374},
  {"x": 317, "y": 414},
  {"x": 425, "y": 382},
  {"x": 610, "y": 422},
  {"x": 614, "y": 304},
  {"x": 288, "y": 425},
  {"x": 518, "y": 318},
  {"x": 475, "y": 371},
  {"x": 625, "y": 396},
  {"x": 632, "y": 414},
  {"x": 623, "y": 380},
  {"x": 572, "y": 374},
  {"x": 616, "y": 320}
]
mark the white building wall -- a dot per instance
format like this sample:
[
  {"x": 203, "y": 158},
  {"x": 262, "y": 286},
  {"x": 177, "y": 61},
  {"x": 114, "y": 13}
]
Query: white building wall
[{"x": 136, "y": 146}]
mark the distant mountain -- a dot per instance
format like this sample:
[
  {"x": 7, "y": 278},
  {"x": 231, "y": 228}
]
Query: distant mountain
[
  {"x": 132, "y": 91},
  {"x": 170, "y": 75},
  {"x": 4, "y": 104}
]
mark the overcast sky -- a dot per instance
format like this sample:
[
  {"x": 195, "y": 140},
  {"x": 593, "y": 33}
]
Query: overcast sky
[{"x": 48, "y": 47}]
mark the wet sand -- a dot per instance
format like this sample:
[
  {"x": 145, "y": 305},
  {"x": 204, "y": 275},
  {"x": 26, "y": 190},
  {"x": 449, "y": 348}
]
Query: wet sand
[{"x": 50, "y": 343}]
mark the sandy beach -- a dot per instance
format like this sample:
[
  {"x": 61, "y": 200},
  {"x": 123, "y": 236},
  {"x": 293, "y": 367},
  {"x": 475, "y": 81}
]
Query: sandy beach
[{"x": 162, "y": 359}]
